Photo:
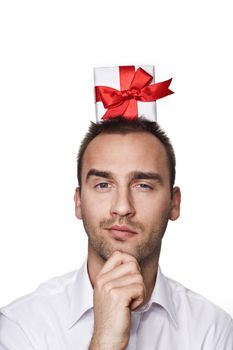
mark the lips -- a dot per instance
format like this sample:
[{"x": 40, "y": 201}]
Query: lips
[{"x": 121, "y": 232}]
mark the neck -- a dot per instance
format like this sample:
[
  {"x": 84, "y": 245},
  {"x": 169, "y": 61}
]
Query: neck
[{"x": 149, "y": 270}]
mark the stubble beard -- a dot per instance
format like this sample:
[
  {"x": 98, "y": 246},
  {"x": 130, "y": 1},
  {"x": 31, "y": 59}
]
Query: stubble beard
[{"x": 144, "y": 252}]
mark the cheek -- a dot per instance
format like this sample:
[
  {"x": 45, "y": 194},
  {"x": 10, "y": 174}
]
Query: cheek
[
  {"x": 154, "y": 205},
  {"x": 92, "y": 210}
]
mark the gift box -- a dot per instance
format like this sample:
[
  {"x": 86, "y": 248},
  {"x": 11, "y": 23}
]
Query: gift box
[{"x": 120, "y": 78}]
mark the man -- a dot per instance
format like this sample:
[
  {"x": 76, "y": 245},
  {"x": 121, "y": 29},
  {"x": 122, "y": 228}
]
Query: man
[{"x": 119, "y": 299}]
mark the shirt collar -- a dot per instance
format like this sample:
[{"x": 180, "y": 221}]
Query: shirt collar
[
  {"x": 163, "y": 295},
  {"x": 82, "y": 295}
]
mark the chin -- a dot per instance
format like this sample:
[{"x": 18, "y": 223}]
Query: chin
[
  {"x": 105, "y": 255},
  {"x": 104, "y": 251}
]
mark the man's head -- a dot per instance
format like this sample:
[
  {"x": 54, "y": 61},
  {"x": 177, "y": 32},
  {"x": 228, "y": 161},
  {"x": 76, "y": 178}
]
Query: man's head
[{"x": 126, "y": 172}]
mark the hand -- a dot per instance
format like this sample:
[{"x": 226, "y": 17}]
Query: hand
[{"x": 118, "y": 289}]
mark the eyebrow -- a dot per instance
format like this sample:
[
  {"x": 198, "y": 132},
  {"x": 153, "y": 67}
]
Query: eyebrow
[
  {"x": 134, "y": 175},
  {"x": 99, "y": 173},
  {"x": 141, "y": 175}
]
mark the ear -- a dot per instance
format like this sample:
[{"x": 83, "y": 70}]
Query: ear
[
  {"x": 77, "y": 201},
  {"x": 175, "y": 203}
]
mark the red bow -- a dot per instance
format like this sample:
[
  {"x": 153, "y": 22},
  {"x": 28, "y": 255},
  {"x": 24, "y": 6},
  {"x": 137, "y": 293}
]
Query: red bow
[{"x": 135, "y": 86}]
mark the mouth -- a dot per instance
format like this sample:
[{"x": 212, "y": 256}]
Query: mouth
[{"x": 121, "y": 232}]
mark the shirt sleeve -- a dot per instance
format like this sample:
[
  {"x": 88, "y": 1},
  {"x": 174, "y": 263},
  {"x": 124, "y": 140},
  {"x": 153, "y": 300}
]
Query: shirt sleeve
[
  {"x": 12, "y": 337},
  {"x": 227, "y": 340}
]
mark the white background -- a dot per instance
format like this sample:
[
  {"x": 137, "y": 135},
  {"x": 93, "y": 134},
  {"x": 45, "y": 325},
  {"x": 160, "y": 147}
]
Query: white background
[{"x": 48, "y": 51}]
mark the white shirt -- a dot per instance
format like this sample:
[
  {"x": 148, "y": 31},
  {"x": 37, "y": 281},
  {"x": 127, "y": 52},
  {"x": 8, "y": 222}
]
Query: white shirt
[{"x": 59, "y": 316}]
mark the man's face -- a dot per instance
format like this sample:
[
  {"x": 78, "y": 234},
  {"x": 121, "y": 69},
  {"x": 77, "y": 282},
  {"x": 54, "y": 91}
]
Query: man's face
[{"x": 125, "y": 201}]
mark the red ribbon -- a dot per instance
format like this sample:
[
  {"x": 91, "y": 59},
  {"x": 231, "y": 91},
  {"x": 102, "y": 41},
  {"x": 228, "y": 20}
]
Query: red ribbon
[{"x": 135, "y": 86}]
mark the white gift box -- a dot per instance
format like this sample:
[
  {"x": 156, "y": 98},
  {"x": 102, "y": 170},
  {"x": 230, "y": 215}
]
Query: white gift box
[{"x": 110, "y": 77}]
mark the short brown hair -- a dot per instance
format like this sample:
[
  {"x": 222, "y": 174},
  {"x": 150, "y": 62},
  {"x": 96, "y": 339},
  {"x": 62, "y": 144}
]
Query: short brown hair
[{"x": 121, "y": 125}]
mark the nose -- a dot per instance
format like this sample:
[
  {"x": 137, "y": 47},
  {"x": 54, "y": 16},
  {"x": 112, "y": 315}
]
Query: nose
[{"x": 122, "y": 203}]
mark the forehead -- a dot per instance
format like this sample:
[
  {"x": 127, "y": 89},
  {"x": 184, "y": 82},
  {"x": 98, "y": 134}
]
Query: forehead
[{"x": 123, "y": 153}]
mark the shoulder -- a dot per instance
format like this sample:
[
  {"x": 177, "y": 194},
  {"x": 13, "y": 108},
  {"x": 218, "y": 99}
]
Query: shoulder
[
  {"x": 207, "y": 320},
  {"x": 193, "y": 301},
  {"x": 24, "y": 322},
  {"x": 43, "y": 301}
]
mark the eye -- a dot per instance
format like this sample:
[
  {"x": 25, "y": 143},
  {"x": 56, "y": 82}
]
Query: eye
[
  {"x": 144, "y": 187},
  {"x": 102, "y": 186}
]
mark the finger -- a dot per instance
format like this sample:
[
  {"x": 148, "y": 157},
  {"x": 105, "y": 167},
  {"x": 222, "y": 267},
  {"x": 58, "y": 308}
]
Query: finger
[
  {"x": 127, "y": 268},
  {"x": 116, "y": 259},
  {"x": 131, "y": 296},
  {"x": 124, "y": 282}
]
